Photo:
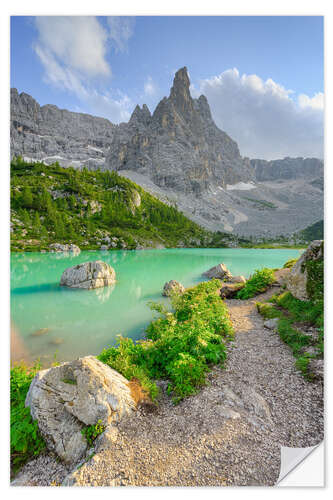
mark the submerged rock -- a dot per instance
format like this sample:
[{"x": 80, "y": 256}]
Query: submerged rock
[
  {"x": 172, "y": 287},
  {"x": 297, "y": 280},
  {"x": 220, "y": 271},
  {"x": 89, "y": 275},
  {"x": 66, "y": 398},
  {"x": 39, "y": 332}
]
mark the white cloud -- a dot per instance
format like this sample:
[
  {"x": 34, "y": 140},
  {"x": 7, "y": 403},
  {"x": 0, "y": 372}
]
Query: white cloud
[
  {"x": 79, "y": 42},
  {"x": 150, "y": 88},
  {"x": 73, "y": 51},
  {"x": 264, "y": 117},
  {"x": 121, "y": 30},
  {"x": 316, "y": 102}
]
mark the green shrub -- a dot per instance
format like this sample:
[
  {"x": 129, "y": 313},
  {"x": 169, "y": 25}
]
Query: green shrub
[
  {"x": 258, "y": 283},
  {"x": 180, "y": 346},
  {"x": 289, "y": 263},
  {"x": 90, "y": 432},
  {"x": 25, "y": 438}
]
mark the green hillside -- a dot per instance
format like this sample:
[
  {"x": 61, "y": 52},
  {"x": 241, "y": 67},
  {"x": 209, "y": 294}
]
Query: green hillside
[
  {"x": 313, "y": 232},
  {"x": 53, "y": 204}
]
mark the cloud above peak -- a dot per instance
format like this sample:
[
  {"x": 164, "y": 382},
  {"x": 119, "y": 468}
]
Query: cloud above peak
[
  {"x": 73, "y": 50},
  {"x": 266, "y": 119},
  {"x": 76, "y": 42}
]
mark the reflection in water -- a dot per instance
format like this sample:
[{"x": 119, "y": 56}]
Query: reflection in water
[
  {"x": 82, "y": 322},
  {"x": 103, "y": 294}
]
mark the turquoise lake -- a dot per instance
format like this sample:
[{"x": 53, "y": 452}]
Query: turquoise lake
[{"x": 81, "y": 322}]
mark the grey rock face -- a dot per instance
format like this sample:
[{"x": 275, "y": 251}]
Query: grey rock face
[
  {"x": 179, "y": 146},
  {"x": 220, "y": 271},
  {"x": 51, "y": 134},
  {"x": 288, "y": 168},
  {"x": 172, "y": 287},
  {"x": 296, "y": 280},
  {"x": 65, "y": 398},
  {"x": 88, "y": 275}
]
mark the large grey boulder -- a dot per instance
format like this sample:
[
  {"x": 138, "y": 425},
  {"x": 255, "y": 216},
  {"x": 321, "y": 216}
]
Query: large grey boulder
[
  {"x": 297, "y": 280},
  {"x": 220, "y": 271},
  {"x": 89, "y": 275},
  {"x": 66, "y": 398},
  {"x": 172, "y": 287}
]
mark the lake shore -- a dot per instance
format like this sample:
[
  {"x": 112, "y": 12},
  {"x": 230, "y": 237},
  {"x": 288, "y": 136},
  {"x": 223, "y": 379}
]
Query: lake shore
[{"x": 251, "y": 408}]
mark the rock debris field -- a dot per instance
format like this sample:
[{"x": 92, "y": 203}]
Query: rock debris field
[{"x": 229, "y": 434}]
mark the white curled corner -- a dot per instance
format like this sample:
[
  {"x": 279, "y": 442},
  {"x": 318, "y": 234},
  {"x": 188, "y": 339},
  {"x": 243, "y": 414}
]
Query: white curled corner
[{"x": 292, "y": 457}]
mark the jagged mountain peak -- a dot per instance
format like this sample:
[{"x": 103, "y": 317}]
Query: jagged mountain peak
[{"x": 141, "y": 115}]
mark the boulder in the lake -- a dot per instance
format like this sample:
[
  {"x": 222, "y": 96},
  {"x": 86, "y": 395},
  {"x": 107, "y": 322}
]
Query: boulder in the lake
[
  {"x": 89, "y": 275},
  {"x": 220, "y": 271},
  {"x": 306, "y": 275},
  {"x": 172, "y": 287},
  {"x": 65, "y": 399},
  {"x": 59, "y": 247},
  {"x": 229, "y": 290}
]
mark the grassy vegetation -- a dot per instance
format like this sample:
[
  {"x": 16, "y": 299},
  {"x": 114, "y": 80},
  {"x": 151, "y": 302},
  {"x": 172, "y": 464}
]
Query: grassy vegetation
[
  {"x": 53, "y": 204},
  {"x": 261, "y": 204},
  {"x": 291, "y": 311},
  {"x": 260, "y": 280},
  {"x": 180, "y": 346},
  {"x": 25, "y": 438},
  {"x": 289, "y": 264},
  {"x": 313, "y": 232},
  {"x": 91, "y": 432}
]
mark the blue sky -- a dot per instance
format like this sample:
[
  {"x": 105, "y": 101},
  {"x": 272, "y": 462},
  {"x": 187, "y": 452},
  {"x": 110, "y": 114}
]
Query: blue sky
[{"x": 263, "y": 76}]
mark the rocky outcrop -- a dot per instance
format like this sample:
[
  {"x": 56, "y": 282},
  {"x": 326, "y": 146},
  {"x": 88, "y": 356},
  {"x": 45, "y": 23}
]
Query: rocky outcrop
[
  {"x": 88, "y": 275},
  {"x": 59, "y": 247},
  {"x": 230, "y": 290},
  {"x": 179, "y": 146},
  {"x": 288, "y": 168},
  {"x": 172, "y": 287},
  {"x": 220, "y": 272},
  {"x": 237, "y": 279},
  {"x": 299, "y": 280},
  {"x": 66, "y": 398},
  {"x": 51, "y": 134}
]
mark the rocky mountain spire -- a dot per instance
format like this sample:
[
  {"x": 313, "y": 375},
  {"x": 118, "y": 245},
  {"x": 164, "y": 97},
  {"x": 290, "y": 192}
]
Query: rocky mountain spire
[{"x": 180, "y": 92}]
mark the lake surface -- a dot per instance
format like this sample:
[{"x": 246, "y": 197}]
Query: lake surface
[{"x": 49, "y": 319}]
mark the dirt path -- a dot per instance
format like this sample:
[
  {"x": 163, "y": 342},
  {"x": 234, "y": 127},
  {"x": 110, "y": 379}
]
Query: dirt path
[{"x": 228, "y": 434}]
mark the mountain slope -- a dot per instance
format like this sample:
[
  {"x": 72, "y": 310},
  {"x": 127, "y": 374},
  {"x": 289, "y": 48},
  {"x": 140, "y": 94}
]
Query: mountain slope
[{"x": 91, "y": 208}]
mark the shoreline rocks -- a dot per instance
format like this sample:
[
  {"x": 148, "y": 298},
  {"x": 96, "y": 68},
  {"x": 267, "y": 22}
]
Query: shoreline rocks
[
  {"x": 59, "y": 247},
  {"x": 88, "y": 275},
  {"x": 220, "y": 271},
  {"x": 172, "y": 287},
  {"x": 297, "y": 280},
  {"x": 66, "y": 398}
]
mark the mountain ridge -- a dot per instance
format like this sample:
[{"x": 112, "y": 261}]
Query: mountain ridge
[{"x": 178, "y": 154}]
